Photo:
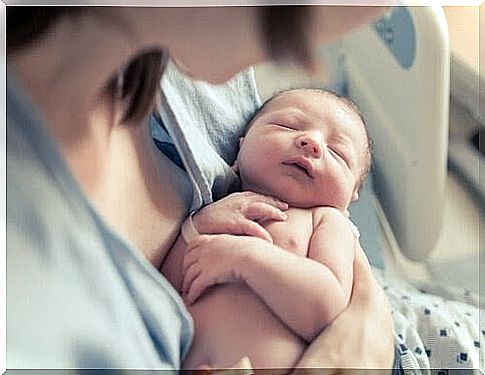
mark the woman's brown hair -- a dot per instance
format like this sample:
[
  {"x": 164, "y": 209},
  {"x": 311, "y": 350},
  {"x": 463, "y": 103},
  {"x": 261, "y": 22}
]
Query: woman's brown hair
[
  {"x": 285, "y": 33},
  {"x": 140, "y": 79},
  {"x": 283, "y": 30}
]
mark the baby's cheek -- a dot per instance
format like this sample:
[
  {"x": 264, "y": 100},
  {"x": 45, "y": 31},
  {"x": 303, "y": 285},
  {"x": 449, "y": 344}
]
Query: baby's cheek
[{"x": 334, "y": 192}]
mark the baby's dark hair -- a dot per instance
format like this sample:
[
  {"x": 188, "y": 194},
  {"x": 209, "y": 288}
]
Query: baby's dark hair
[{"x": 348, "y": 103}]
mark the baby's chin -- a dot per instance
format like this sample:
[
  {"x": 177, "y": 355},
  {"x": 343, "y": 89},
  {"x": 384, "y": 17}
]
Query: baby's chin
[
  {"x": 300, "y": 203},
  {"x": 294, "y": 199}
]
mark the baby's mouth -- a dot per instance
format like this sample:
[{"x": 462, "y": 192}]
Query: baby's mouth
[{"x": 302, "y": 165}]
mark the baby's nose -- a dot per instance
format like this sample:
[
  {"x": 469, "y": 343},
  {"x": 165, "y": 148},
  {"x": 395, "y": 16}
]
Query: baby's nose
[{"x": 311, "y": 146}]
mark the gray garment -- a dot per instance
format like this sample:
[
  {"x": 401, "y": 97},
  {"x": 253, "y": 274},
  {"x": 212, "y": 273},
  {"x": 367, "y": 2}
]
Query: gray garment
[
  {"x": 205, "y": 122},
  {"x": 78, "y": 295}
]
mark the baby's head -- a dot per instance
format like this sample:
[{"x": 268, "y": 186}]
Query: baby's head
[{"x": 307, "y": 147}]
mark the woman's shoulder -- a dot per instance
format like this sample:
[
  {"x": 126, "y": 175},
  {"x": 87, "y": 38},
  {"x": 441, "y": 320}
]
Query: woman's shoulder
[{"x": 68, "y": 277}]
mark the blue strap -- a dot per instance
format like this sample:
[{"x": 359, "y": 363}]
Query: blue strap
[
  {"x": 165, "y": 144},
  {"x": 171, "y": 152}
]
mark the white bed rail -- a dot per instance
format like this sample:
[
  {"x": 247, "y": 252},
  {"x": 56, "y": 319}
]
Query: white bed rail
[{"x": 398, "y": 72}]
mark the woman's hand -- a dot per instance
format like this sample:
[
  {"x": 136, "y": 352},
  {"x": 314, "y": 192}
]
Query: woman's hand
[
  {"x": 240, "y": 214},
  {"x": 361, "y": 336}
]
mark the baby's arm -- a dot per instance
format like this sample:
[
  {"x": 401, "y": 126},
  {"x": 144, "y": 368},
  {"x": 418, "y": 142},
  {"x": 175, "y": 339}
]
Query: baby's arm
[
  {"x": 238, "y": 213},
  {"x": 306, "y": 294},
  {"x": 333, "y": 244}
]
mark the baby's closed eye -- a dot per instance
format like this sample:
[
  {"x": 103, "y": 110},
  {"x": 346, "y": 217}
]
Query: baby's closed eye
[
  {"x": 283, "y": 125},
  {"x": 339, "y": 154}
]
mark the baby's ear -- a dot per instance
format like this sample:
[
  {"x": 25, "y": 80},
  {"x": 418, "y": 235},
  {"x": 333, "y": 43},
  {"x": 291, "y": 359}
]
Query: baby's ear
[
  {"x": 241, "y": 141},
  {"x": 355, "y": 196}
]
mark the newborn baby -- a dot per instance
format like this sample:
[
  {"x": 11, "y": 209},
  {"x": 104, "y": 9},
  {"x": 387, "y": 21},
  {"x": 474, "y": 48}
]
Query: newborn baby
[{"x": 267, "y": 299}]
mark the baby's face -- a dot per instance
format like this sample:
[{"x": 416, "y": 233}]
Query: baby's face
[{"x": 307, "y": 149}]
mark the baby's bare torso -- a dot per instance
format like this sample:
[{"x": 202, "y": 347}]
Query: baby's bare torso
[{"x": 231, "y": 321}]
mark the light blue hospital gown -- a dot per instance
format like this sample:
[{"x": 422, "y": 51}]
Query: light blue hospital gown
[{"x": 78, "y": 296}]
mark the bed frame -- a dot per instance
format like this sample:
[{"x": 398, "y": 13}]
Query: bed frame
[{"x": 397, "y": 70}]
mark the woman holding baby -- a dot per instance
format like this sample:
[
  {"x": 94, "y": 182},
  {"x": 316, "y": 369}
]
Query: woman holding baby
[{"x": 94, "y": 207}]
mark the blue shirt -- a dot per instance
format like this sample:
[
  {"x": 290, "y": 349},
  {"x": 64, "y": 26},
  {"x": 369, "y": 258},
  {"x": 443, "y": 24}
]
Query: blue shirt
[{"x": 78, "y": 295}]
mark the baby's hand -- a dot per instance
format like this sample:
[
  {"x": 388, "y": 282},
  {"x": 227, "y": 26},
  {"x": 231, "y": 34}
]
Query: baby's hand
[
  {"x": 240, "y": 214},
  {"x": 211, "y": 260}
]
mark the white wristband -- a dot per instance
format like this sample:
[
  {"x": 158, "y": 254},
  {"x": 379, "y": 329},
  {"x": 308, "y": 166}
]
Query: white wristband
[{"x": 189, "y": 231}]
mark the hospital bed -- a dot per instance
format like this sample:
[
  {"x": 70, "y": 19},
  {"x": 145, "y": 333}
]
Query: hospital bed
[{"x": 397, "y": 71}]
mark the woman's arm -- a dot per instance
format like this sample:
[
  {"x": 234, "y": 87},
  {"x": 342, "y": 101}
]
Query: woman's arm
[{"x": 361, "y": 336}]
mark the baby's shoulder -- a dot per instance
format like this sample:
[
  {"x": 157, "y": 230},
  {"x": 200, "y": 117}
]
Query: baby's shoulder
[
  {"x": 326, "y": 212},
  {"x": 332, "y": 216}
]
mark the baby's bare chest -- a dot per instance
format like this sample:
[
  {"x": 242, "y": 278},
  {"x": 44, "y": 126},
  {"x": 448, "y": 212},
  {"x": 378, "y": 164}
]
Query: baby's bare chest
[{"x": 295, "y": 233}]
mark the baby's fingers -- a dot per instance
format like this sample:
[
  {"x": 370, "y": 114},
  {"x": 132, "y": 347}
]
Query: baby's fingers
[
  {"x": 263, "y": 211},
  {"x": 189, "y": 276},
  {"x": 268, "y": 200},
  {"x": 196, "y": 288},
  {"x": 251, "y": 228},
  {"x": 190, "y": 258}
]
